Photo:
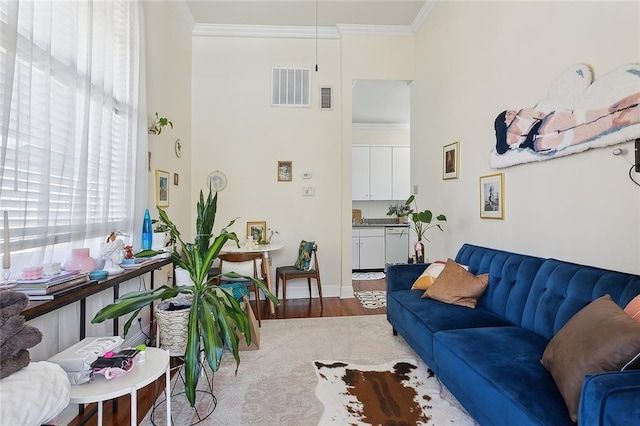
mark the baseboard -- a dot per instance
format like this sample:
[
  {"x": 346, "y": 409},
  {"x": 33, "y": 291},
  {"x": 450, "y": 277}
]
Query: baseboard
[{"x": 299, "y": 290}]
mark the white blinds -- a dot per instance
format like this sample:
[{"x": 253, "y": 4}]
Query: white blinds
[{"x": 68, "y": 118}]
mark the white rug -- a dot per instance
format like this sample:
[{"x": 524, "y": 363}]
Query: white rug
[
  {"x": 393, "y": 393},
  {"x": 275, "y": 385},
  {"x": 373, "y": 299},
  {"x": 359, "y": 276}
]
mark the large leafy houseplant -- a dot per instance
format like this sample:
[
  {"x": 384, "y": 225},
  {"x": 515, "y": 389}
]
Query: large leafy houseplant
[
  {"x": 214, "y": 313},
  {"x": 421, "y": 221}
]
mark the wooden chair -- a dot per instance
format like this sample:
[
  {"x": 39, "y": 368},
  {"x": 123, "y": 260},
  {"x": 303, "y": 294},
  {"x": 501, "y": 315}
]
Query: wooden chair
[
  {"x": 256, "y": 258},
  {"x": 286, "y": 273}
]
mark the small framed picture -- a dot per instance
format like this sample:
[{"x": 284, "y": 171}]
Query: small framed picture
[
  {"x": 257, "y": 231},
  {"x": 450, "y": 160},
  {"x": 285, "y": 171},
  {"x": 492, "y": 196},
  {"x": 162, "y": 188}
]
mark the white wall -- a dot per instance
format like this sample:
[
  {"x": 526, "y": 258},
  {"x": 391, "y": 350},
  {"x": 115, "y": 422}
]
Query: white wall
[
  {"x": 236, "y": 131},
  {"x": 168, "y": 64},
  {"x": 476, "y": 59}
]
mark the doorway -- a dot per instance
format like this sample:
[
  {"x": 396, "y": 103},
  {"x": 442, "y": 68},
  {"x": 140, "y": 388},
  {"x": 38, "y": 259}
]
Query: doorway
[{"x": 380, "y": 165}]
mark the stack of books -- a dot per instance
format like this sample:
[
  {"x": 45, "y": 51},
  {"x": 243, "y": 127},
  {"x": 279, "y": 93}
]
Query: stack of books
[{"x": 47, "y": 288}]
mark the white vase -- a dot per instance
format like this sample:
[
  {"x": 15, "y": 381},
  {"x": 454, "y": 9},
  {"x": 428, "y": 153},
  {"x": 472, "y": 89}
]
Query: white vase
[
  {"x": 182, "y": 277},
  {"x": 159, "y": 240}
]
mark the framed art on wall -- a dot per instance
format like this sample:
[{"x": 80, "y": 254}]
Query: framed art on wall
[
  {"x": 162, "y": 188},
  {"x": 217, "y": 181},
  {"x": 450, "y": 160},
  {"x": 492, "y": 196},
  {"x": 285, "y": 171},
  {"x": 257, "y": 231}
]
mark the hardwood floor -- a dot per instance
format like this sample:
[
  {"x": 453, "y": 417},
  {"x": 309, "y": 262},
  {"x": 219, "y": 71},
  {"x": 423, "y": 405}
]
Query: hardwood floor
[{"x": 293, "y": 308}]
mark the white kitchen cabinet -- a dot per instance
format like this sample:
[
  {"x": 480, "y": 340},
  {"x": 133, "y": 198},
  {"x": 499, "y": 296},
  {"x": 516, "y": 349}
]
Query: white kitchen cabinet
[
  {"x": 367, "y": 248},
  {"x": 401, "y": 173},
  {"x": 355, "y": 249},
  {"x": 360, "y": 173},
  {"x": 379, "y": 173}
]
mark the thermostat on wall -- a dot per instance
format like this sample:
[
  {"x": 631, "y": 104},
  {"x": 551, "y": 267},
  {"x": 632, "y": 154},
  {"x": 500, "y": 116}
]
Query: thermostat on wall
[{"x": 306, "y": 175}]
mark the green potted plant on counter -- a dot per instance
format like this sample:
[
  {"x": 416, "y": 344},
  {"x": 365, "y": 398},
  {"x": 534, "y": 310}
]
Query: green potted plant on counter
[
  {"x": 214, "y": 314},
  {"x": 421, "y": 221}
]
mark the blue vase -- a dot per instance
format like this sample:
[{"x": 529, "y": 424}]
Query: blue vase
[{"x": 147, "y": 232}]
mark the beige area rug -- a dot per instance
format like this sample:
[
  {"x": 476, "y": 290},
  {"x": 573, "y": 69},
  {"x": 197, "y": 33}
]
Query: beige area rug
[{"x": 276, "y": 384}]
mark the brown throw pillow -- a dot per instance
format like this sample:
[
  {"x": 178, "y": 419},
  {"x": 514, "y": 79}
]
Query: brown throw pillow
[
  {"x": 457, "y": 286},
  {"x": 599, "y": 338}
]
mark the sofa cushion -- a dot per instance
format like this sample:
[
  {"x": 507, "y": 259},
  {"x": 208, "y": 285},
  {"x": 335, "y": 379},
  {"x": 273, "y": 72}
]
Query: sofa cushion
[
  {"x": 510, "y": 278},
  {"x": 426, "y": 279},
  {"x": 495, "y": 373},
  {"x": 601, "y": 337},
  {"x": 560, "y": 289},
  {"x": 457, "y": 286},
  {"x": 417, "y": 320}
]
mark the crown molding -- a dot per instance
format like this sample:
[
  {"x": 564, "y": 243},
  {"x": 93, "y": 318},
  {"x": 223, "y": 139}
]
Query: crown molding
[
  {"x": 422, "y": 15},
  {"x": 264, "y": 31},
  {"x": 375, "y": 30},
  {"x": 186, "y": 14},
  {"x": 380, "y": 126}
]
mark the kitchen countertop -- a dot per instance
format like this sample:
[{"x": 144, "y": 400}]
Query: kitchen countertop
[{"x": 381, "y": 225}]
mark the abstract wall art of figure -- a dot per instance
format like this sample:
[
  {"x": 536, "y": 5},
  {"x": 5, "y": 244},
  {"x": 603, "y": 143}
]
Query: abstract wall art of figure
[{"x": 577, "y": 115}]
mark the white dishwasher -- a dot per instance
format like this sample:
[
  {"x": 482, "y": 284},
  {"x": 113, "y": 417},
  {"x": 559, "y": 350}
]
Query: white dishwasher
[{"x": 396, "y": 242}]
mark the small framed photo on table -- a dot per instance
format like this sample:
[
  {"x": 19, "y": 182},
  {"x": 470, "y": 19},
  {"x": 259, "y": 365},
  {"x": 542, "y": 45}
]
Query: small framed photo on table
[
  {"x": 162, "y": 188},
  {"x": 492, "y": 196},
  {"x": 257, "y": 231},
  {"x": 450, "y": 160},
  {"x": 285, "y": 171}
]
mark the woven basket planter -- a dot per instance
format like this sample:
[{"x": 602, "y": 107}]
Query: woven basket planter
[{"x": 172, "y": 325}]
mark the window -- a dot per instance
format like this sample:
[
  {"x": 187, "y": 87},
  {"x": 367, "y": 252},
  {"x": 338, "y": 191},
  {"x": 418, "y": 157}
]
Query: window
[{"x": 68, "y": 117}]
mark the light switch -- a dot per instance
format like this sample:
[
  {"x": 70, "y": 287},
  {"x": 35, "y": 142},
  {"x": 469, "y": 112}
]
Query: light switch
[
  {"x": 415, "y": 189},
  {"x": 308, "y": 190}
]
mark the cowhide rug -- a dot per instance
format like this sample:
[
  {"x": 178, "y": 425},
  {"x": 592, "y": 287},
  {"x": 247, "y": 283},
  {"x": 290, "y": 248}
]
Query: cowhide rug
[{"x": 395, "y": 393}]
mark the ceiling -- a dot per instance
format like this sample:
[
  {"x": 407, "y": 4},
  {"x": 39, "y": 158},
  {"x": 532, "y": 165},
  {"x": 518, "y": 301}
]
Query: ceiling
[{"x": 303, "y": 12}]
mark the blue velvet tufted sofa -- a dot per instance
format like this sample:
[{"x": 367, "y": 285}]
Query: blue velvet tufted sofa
[{"x": 489, "y": 357}]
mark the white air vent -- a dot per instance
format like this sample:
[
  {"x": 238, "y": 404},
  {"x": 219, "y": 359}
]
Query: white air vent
[
  {"x": 325, "y": 98},
  {"x": 290, "y": 87}
]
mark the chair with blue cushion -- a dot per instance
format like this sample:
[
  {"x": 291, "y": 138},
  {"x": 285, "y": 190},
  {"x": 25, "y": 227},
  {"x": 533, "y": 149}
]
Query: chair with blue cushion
[
  {"x": 305, "y": 267},
  {"x": 243, "y": 258}
]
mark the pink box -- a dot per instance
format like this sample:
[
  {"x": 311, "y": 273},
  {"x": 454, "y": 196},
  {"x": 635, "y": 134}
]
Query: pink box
[{"x": 32, "y": 273}]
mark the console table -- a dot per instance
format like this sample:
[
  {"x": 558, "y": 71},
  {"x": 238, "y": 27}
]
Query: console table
[{"x": 80, "y": 294}]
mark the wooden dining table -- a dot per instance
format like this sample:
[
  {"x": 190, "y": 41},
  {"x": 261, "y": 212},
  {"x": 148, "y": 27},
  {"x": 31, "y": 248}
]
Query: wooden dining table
[{"x": 265, "y": 249}]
